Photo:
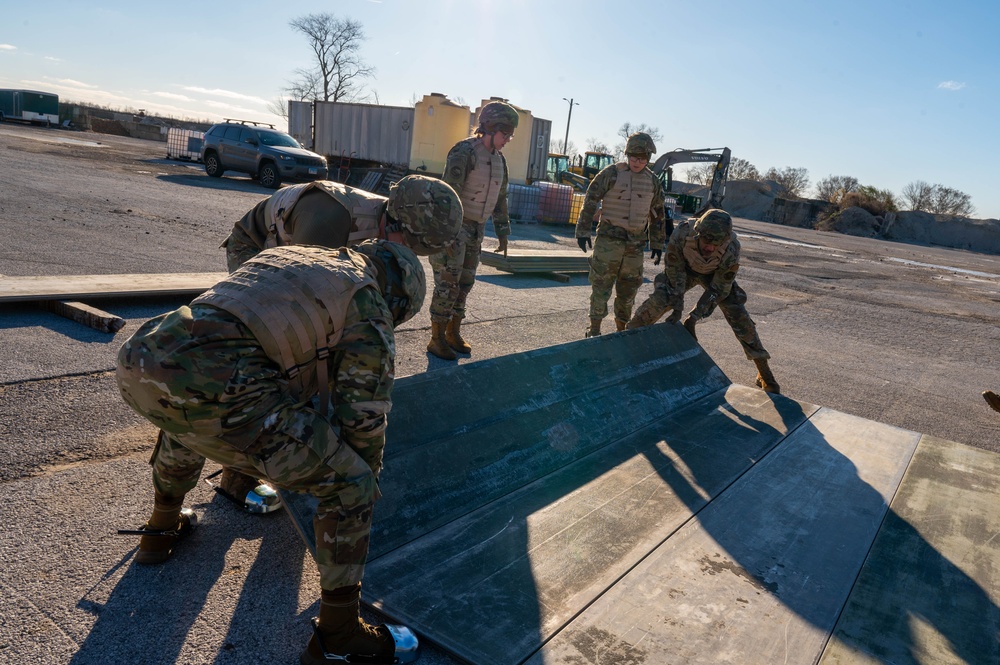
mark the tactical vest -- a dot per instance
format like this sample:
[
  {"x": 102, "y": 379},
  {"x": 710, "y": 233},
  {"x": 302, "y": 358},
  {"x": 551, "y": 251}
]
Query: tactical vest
[
  {"x": 294, "y": 301},
  {"x": 629, "y": 202},
  {"x": 703, "y": 265},
  {"x": 482, "y": 185},
  {"x": 365, "y": 208}
]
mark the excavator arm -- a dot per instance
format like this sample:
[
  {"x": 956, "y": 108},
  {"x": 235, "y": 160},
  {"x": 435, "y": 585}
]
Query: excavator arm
[{"x": 663, "y": 168}]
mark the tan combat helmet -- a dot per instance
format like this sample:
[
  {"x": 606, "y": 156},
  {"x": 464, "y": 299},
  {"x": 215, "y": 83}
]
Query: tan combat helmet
[
  {"x": 429, "y": 213},
  {"x": 404, "y": 272},
  {"x": 498, "y": 117},
  {"x": 640, "y": 143},
  {"x": 714, "y": 225}
]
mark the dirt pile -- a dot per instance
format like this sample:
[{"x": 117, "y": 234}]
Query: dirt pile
[
  {"x": 977, "y": 235},
  {"x": 852, "y": 221}
]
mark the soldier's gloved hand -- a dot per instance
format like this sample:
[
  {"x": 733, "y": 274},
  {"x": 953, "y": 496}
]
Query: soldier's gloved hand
[
  {"x": 689, "y": 324},
  {"x": 707, "y": 302},
  {"x": 655, "y": 254},
  {"x": 503, "y": 245},
  {"x": 584, "y": 243}
]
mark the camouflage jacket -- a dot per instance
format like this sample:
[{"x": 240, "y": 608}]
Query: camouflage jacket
[
  {"x": 602, "y": 183},
  {"x": 461, "y": 160},
  {"x": 676, "y": 268}
]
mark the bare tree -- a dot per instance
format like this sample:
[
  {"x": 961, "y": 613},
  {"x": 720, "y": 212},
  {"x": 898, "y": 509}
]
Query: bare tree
[
  {"x": 556, "y": 146},
  {"x": 948, "y": 201},
  {"x": 700, "y": 174},
  {"x": 741, "y": 169},
  {"x": 338, "y": 72},
  {"x": 794, "y": 180},
  {"x": 918, "y": 195},
  {"x": 279, "y": 107},
  {"x": 628, "y": 129},
  {"x": 595, "y": 145},
  {"x": 832, "y": 188}
]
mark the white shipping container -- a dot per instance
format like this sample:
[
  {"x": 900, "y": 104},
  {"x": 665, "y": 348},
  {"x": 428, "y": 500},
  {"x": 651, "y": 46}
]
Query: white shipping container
[
  {"x": 300, "y": 122},
  {"x": 381, "y": 134},
  {"x": 184, "y": 144}
]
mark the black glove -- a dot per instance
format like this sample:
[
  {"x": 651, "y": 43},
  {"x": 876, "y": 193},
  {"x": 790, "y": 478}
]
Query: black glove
[
  {"x": 584, "y": 243},
  {"x": 655, "y": 254}
]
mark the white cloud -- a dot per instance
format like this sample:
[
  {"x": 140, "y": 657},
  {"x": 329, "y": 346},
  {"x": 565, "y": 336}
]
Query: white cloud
[
  {"x": 7, "y": 47},
  {"x": 51, "y": 59},
  {"x": 225, "y": 93},
  {"x": 951, "y": 85},
  {"x": 171, "y": 95},
  {"x": 76, "y": 84}
]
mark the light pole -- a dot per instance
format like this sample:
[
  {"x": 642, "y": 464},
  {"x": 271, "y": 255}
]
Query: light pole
[{"x": 571, "y": 105}]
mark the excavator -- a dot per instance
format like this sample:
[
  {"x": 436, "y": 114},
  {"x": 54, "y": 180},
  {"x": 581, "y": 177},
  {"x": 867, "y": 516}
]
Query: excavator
[
  {"x": 663, "y": 168},
  {"x": 578, "y": 176}
]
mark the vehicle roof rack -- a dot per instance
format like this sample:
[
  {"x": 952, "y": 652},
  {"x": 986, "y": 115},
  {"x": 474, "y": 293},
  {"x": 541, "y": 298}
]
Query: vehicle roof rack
[{"x": 234, "y": 121}]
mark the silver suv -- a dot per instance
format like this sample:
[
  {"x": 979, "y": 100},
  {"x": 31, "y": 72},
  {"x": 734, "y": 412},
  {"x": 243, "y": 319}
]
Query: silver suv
[{"x": 265, "y": 153}]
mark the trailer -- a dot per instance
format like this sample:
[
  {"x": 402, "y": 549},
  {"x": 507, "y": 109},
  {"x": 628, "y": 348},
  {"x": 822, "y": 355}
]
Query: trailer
[{"x": 29, "y": 106}]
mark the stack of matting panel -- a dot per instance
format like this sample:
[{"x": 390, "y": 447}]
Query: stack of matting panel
[
  {"x": 538, "y": 260},
  {"x": 618, "y": 500}
]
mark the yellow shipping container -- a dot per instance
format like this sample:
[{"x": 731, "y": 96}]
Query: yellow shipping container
[{"x": 438, "y": 124}]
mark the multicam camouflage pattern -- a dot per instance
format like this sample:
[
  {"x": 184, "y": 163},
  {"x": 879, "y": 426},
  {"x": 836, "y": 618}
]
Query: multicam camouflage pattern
[
  {"x": 714, "y": 225},
  {"x": 615, "y": 264},
  {"x": 640, "y": 143},
  {"x": 429, "y": 212},
  {"x": 497, "y": 114},
  {"x": 599, "y": 187},
  {"x": 455, "y": 273},
  {"x": 677, "y": 278},
  {"x": 409, "y": 271},
  {"x": 200, "y": 364}
]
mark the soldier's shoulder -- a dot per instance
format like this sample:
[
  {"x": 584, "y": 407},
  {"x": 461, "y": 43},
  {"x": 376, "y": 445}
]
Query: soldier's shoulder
[{"x": 464, "y": 147}]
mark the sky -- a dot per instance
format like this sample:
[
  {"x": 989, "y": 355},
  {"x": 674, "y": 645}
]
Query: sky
[{"x": 887, "y": 91}]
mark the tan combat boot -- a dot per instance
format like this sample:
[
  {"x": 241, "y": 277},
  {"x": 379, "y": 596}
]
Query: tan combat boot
[
  {"x": 168, "y": 524},
  {"x": 765, "y": 380},
  {"x": 595, "y": 328},
  {"x": 453, "y": 335},
  {"x": 438, "y": 344},
  {"x": 619, "y": 324},
  {"x": 341, "y": 635}
]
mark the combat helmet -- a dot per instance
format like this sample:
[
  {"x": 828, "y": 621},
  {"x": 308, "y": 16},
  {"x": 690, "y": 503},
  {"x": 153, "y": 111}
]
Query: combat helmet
[
  {"x": 498, "y": 117},
  {"x": 429, "y": 212},
  {"x": 714, "y": 225},
  {"x": 640, "y": 143},
  {"x": 405, "y": 283}
]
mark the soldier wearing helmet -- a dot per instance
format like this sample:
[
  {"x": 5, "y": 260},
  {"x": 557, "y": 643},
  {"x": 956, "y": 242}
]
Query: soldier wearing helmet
[
  {"x": 284, "y": 371},
  {"x": 632, "y": 214},
  {"x": 707, "y": 252},
  {"x": 477, "y": 170},
  {"x": 422, "y": 212}
]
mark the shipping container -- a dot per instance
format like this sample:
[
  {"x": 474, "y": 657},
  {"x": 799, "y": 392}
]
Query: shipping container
[
  {"x": 382, "y": 134},
  {"x": 184, "y": 144},
  {"x": 29, "y": 106},
  {"x": 300, "y": 123}
]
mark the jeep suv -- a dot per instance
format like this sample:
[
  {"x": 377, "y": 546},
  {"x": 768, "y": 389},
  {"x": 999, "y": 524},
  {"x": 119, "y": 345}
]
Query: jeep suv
[{"x": 265, "y": 153}]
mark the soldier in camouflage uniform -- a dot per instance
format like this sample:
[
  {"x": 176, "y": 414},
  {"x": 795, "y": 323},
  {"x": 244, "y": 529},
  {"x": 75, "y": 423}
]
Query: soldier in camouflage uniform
[
  {"x": 283, "y": 370},
  {"x": 477, "y": 170},
  {"x": 632, "y": 214},
  {"x": 707, "y": 253},
  {"x": 422, "y": 212},
  {"x": 330, "y": 214}
]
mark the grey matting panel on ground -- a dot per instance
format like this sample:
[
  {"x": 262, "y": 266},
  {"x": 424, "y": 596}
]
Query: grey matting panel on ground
[
  {"x": 930, "y": 589},
  {"x": 761, "y": 575},
  {"x": 538, "y": 260},
  {"x": 78, "y": 287}
]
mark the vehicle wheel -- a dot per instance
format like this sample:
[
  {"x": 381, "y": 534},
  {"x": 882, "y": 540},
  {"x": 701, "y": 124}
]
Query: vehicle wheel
[
  {"x": 212, "y": 165},
  {"x": 268, "y": 175}
]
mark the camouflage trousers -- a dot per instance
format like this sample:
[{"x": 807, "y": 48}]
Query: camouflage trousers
[
  {"x": 455, "y": 272},
  {"x": 285, "y": 441},
  {"x": 615, "y": 264},
  {"x": 733, "y": 307}
]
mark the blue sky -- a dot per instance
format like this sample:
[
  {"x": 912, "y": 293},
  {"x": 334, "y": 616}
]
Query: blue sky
[{"x": 886, "y": 91}]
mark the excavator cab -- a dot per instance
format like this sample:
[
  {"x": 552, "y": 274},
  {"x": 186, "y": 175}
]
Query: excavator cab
[
  {"x": 555, "y": 165},
  {"x": 595, "y": 162}
]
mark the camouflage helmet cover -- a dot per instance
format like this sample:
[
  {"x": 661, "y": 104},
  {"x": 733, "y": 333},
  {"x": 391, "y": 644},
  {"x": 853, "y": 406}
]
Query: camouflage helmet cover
[
  {"x": 640, "y": 143},
  {"x": 498, "y": 113},
  {"x": 714, "y": 226},
  {"x": 429, "y": 212},
  {"x": 410, "y": 275}
]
